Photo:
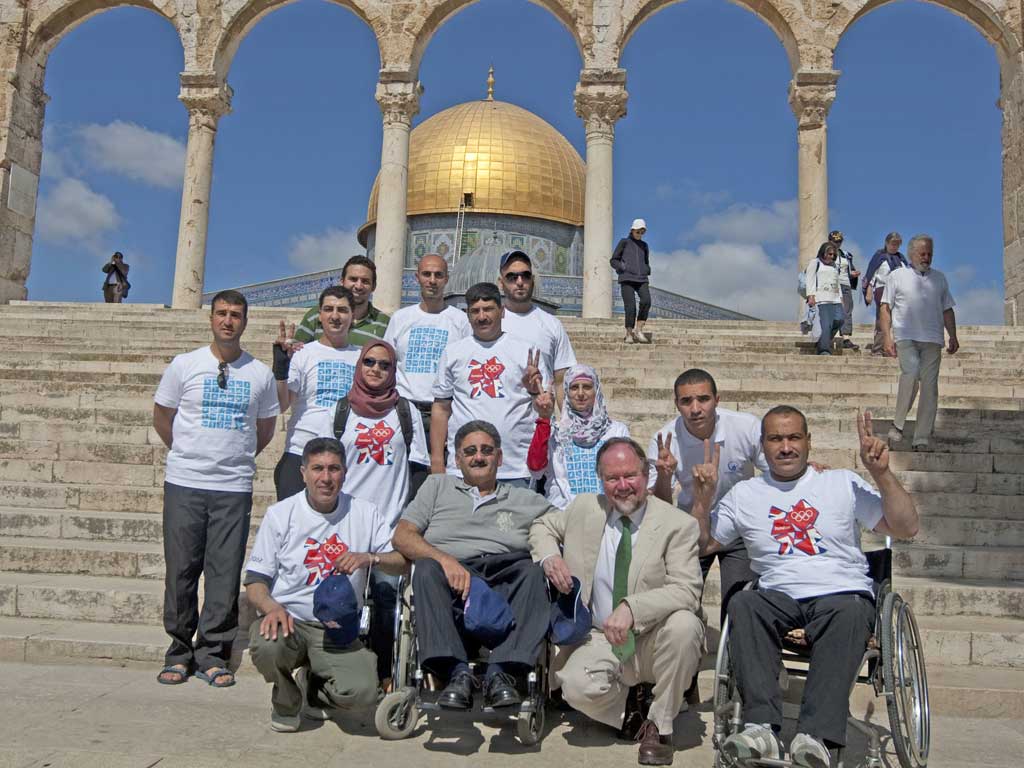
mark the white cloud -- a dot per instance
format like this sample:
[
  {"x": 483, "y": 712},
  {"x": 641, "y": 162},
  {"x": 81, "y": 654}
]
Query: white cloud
[
  {"x": 979, "y": 306},
  {"x": 135, "y": 152},
  {"x": 745, "y": 223},
  {"x": 329, "y": 250},
  {"x": 73, "y": 213}
]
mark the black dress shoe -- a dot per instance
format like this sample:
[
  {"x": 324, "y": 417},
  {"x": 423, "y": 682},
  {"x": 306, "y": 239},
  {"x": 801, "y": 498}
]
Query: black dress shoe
[
  {"x": 638, "y": 704},
  {"x": 458, "y": 694},
  {"x": 500, "y": 691}
]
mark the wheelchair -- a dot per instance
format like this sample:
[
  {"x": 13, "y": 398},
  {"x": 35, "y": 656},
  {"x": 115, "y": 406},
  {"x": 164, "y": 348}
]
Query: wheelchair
[
  {"x": 893, "y": 664},
  {"x": 414, "y": 692}
]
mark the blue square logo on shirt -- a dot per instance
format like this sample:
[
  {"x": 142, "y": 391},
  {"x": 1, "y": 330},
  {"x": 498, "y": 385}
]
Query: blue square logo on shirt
[
  {"x": 225, "y": 408},
  {"x": 333, "y": 381},
  {"x": 425, "y": 348}
]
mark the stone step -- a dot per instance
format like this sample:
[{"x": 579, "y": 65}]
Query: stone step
[
  {"x": 116, "y": 600},
  {"x": 87, "y": 558},
  {"x": 113, "y": 498},
  {"x": 967, "y": 532},
  {"x": 962, "y": 597},
  {"x": 958, "y": 561}
]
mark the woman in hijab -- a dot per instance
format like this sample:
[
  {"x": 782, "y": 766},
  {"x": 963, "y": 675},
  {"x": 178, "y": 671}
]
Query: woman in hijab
[
  {"x": 567, "y": 455},
  {"x": 378, "y": 468}
]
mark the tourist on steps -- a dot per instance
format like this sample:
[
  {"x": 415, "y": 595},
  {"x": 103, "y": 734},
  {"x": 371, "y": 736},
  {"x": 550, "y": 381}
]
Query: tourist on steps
[
  {"x": 631, "y": 261},
  {"x": 824, "y": 291},
  {"x": 116, "y": 285},
  {"x": 886, "y": 260}
]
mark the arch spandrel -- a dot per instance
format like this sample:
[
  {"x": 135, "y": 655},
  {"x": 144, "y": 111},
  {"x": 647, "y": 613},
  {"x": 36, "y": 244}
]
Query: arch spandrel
[
  {"x": 52, "y": 19},
  {"x": 786, "y": 18}
]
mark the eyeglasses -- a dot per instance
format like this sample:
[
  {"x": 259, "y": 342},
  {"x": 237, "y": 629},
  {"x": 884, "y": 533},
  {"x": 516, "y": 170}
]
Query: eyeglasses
[
  {"x": 222, "y": 375},
  {"x": 370, "y": 362},
  {"x": 471, "y": 450},
  {"x": 513, "y": 277}
]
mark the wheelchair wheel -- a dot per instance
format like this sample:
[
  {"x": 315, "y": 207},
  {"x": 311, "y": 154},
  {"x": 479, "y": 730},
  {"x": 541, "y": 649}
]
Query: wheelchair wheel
[
  {"x": 530, "y": 725},
  {"x": 906, "y": 683},
  {"x": 397, "y": 714}
]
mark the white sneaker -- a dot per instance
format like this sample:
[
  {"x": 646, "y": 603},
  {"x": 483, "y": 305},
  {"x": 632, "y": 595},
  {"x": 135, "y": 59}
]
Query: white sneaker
[
  {"x": 752, "y": 743},
  {"x": 309, "y": 711},
  {"x": 807, "y": 752},
  {"x": 895, "y": 435},
  {"x": 284, "y": 723}
]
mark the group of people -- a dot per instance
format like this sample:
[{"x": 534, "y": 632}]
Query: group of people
[{"x": 430, "y": 439}]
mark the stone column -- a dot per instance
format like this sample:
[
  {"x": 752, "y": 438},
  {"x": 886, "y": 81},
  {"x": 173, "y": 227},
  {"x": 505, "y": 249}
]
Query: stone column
[
  {"x": 207, "y": 99},
  {"x": 811, "y": 95},
  {"x": 399, "y": 102},
  {"x": 22, "y": 108},
  {"x": 600, "y": 100},
  {"x": 1011, "y": 100}
]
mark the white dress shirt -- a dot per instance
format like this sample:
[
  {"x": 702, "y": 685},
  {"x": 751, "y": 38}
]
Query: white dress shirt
[{"x": 604, "y": 574}]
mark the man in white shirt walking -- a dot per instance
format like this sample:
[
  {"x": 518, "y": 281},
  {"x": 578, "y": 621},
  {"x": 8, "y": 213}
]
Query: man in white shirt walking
[
  {"x": 215, "y": 410},
  {"x": 916, "y": 308},
  {"x": 481, "y": 377}
]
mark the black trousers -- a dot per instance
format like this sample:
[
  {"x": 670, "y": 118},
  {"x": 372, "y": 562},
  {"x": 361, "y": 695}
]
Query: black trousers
[
  {"x": 837, "y": 627},
  {"x": 417, "y": 472},
  {"x": 439, "y": 630},
  {"x": 734, "y": 571},
  {"x": 287, "y": 476},
  {"x": 204, "y": 533},
  {"x": 629, "y": 293},
  {"x": 384, "y": 592}
]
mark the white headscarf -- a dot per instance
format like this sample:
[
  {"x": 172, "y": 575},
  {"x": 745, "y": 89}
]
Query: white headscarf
[{"x": 583, "y": 429}]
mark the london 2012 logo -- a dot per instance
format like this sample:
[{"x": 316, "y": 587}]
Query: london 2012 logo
[
  {"x": 374, "y": 443},
  {"x": 794, "y": 530},
  {"x": 320, "y": 557},
  {"x": 485, "y": 378}
]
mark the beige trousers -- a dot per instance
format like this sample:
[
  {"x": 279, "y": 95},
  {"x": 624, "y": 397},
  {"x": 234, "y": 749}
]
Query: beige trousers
[
  {"x": 595, "y": 683},
  {"x": 919, "y": 368}
]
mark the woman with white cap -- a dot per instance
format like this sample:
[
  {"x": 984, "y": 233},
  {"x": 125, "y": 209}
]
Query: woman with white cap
[{"x": 632, "y": 263}]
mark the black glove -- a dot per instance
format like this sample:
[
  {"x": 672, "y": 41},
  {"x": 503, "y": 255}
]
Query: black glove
[{"x": 281, "y": 363}]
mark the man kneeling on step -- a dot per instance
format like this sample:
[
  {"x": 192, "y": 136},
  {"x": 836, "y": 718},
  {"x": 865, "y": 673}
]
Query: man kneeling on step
[
  {"x": 460, "y": 529},
  {"x": 800, "y": 526},
  {"x": 636, "y": 560},
  {"x": 317, "y": 535}
]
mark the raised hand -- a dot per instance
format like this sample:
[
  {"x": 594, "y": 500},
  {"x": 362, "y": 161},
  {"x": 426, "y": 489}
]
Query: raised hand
[
  {"x": 544, "y": 404},
  {"x": 874, "y": 451},
  {"x": 532, "y": 379},
  {"x": 666, "y": 464},
  {"x": 286, "y": 339},
  {"x": 705, "y": 476}
]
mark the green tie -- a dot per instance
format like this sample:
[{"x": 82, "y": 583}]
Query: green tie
[{"x": 620, "y": 584}]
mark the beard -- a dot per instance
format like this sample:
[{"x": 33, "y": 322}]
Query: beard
[{"x": 626, "y": 506}]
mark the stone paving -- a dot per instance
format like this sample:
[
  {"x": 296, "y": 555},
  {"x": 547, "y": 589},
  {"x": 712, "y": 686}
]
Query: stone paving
[{"x": 103, "y": 717}]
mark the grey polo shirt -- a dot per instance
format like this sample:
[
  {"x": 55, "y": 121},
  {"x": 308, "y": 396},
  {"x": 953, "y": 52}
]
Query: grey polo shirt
[{"x": 450, "y": 516}]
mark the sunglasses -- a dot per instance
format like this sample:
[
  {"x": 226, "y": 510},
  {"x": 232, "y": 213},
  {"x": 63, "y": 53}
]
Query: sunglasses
[
  {"x": 370, "y": 362},
  {"x": 222, "y": 375},
  {"x": 513, "y": 277},
  {"x": 471, "y": 450}
]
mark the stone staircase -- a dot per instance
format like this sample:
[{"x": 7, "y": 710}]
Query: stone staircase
[{"x": 81, "y": 560}]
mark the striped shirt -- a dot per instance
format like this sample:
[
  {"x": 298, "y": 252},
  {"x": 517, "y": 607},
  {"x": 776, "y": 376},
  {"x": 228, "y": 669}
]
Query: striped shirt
[{"x": 372, "y": 326}]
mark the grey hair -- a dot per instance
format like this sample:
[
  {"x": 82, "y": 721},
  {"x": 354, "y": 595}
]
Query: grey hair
[
  {"x": 919, "y": 239},
  {"x": 477, "y": 425}
]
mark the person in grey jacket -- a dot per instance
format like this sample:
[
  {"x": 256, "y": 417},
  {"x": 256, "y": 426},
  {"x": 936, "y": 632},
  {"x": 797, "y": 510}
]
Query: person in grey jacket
[{"x": 632, "y": 263}]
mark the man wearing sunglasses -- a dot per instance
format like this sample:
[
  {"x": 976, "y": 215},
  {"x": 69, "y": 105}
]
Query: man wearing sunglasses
[
  {"x": 215, "y": 410},
  {"x": 528, "y": 321}
]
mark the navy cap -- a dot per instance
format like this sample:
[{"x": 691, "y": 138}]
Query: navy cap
[
  {"x": 336, "y": 607},
  {"x": 487, "y": 615},
  {"x": 570, "y": 618},
  {"x": 508, "y": 256}
]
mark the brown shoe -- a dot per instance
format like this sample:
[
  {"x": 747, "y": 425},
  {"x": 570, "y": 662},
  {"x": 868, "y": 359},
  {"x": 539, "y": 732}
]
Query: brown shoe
[{"x": 655, "y": 749}]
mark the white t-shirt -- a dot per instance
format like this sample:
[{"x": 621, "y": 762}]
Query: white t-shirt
[
  {"x": 881, "y": 276},
  {"x": 377, "y": 467},
  {"x": 320, "y": 376},
  {"x": 419, "y": 338},
  {"x": 213, "y": 444},
  {"x": 917, "y": 302},
  {"x": 802, "y": 536},
  {"x": 823, "y": 282},
  {"x": 296, "y": 547},
  {"x": 483, "y": 379},
  {"x": 574, "y": 471},
  {"x": 545, "y": 332},
  {"x": 843, "y": 263},
  {"x": 739, "y": 434},
  {"x": 604, "y": 572}
]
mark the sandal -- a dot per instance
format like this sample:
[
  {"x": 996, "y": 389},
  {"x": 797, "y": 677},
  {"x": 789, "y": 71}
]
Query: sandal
[
  {"x": 214, "y": 674},
  {"x": 176, "y": 669}
]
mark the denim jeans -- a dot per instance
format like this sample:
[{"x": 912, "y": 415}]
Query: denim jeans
[{"x": 831, "y": 318}]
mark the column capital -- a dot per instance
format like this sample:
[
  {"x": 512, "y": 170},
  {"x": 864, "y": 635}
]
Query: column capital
[
  {"x": 811, "y": 95},
  {"x": 399, "y": 100},
  {"x": 600, "y": 99},
  {"x": 206, "y": 97}
]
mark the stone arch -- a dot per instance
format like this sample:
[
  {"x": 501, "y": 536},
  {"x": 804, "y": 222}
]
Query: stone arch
[
  {"x": 253, "y": 11},
  {"x": 52, "y": 20},
  {"x": 777, "y": 14},
  {"x": 443, "y": 10},
  {"x": 984, "y": 16}
]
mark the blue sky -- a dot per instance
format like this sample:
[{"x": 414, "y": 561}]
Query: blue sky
[{"x": 707, "y": 153}]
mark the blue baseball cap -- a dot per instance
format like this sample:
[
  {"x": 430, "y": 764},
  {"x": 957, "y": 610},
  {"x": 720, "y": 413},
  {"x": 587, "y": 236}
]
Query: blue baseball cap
[
  {"x": 487, "y": 615},
  {"x": 336, "y": 607},
  {"x": 570, "y": 618},
  {"x": 508, "y": 256}
]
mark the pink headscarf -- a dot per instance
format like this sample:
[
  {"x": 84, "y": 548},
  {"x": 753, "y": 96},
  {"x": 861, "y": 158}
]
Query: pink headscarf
[{"x": 374, "y": 402}]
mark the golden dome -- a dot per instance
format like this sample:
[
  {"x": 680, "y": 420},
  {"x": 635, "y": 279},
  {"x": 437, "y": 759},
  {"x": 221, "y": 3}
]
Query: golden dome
[{"x": 511, "y": 160}]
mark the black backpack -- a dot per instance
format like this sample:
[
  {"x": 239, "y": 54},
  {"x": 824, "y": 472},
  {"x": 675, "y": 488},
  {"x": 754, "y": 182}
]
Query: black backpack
[{"x": 342, "y": 409}]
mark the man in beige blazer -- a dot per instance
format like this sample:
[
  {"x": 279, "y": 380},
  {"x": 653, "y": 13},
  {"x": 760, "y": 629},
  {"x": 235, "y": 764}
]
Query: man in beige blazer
[{"x": 653, "y": 633}]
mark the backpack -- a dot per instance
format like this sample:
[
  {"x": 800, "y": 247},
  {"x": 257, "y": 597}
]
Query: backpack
[
  {"x": 801, "y": 280},
  {"x": 342, "y": 409}
]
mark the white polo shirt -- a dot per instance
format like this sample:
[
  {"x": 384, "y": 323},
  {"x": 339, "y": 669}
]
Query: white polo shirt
[{"x": 918, "y": 302}]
